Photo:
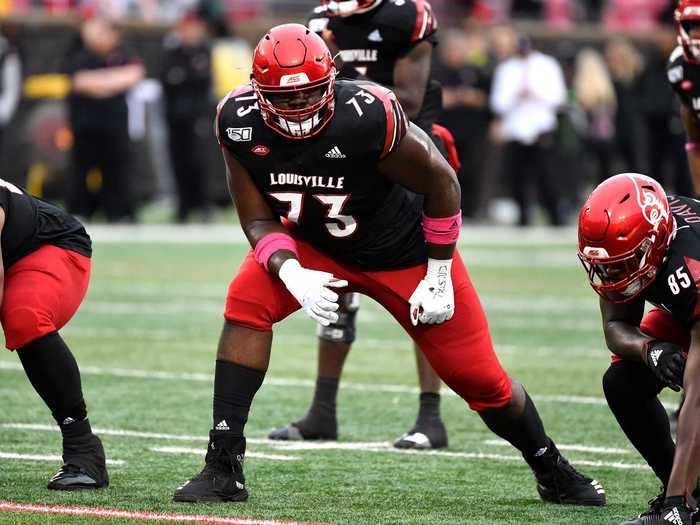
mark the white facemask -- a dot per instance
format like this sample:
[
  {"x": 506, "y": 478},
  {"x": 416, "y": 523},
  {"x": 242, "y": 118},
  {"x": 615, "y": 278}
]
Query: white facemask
[{"x": 299, "y": 129}]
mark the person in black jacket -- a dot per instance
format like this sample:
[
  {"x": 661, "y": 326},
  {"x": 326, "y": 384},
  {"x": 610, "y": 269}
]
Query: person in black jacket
[
  {"x": 186, "y": 78},
  {"x": 102, "y": 72}
]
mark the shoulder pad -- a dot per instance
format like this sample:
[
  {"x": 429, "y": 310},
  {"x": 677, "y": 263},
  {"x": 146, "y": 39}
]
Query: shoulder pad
[
  {"x": 317, "y": 21},
  {"x": 426, "y": 23},
  {"x": 675, "y": 54},
  {"x": 396, "y": 121},
  {"x": 224, "y": 102}
]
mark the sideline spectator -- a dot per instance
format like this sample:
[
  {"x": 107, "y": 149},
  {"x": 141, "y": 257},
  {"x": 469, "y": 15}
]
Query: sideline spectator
[
  {"x": 595, "y": 96},
  {"x": 186, "y": 79},
  {"x": 10, "y": 83},
  {"x": 625, "y": 65},
  {"x": 527, "y": 91},
  {"x": 464, "y": 70},
  {"x": 102, "y": 72}
]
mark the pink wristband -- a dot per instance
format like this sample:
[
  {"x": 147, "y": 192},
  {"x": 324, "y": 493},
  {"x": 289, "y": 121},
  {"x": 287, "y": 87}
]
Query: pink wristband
[
  {"x": 271, "y": 243},
  {"x": 692, "y": 146},
  {"x": 444, "y": 230}
]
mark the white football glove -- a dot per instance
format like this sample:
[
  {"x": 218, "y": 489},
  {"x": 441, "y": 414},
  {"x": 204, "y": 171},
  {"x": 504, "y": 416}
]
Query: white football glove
[
  {"x": 311, "y": 289},
  {"x": 433, "y": 301}
]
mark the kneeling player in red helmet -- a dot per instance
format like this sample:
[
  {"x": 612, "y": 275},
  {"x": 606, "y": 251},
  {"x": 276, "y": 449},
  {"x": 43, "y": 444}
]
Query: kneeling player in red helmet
[
  {"x": 44, "y": 276},
  {"x": 639, "y": 245},
  {"x": 353, "y": 227}
]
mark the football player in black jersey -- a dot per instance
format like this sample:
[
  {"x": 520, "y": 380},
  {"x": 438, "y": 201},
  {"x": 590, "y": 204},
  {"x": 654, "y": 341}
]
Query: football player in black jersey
[
  {"x": 638, "y": 245},
  {"x": 389, "y": 42},
  {"x": 350, "y": 226},
  {"x": 683, "y": 73},
  {"x": 44, "y": 276}
]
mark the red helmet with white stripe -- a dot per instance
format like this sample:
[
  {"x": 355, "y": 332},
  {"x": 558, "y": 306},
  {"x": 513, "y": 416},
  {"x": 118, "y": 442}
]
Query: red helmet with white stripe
[
  {"x": 349, "y": 7},
  {"x": 624, "y": 230},
  {"x": 686, "y": 15},
  {"x": 294, "y": 78}
]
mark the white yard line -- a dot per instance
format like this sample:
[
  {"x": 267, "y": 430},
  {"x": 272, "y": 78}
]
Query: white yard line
[
  {"x": 98, "y": 512},
  {"x": 41, "y": 457},
  {"x": 202, "y": 451},
  {"x": 301, "y": 446},
  {"x": 573, "y": 448},
  {"x": 304, "y": 383},
  {"x": 232, "y": 234}
]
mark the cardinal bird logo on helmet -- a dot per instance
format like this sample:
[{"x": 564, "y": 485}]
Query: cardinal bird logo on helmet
[
  {"x": 624, "y": 231},
  {"x": 652, "y": 208}
]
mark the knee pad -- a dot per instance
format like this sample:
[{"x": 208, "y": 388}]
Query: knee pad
[
  {"x": 630, "y": 380},
  {"x": 343, "y": 330},
  {"x": 22, "y": 325}
]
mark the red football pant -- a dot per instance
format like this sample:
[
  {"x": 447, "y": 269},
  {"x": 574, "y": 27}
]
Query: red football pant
[
  {"x": 460, "y": 350},
  {"x": 661, "y": 325},
  {"x": 42, "y": 292}
]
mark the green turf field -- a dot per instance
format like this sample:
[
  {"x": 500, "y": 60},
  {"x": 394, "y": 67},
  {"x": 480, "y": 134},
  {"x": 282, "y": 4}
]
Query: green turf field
[{"x": 146, "y": 338}]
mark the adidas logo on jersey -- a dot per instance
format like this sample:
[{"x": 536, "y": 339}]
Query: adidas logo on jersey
[
  {"x": 335, "y": 153},
  {"x": 674, "y": 517},
  {"x": 655, "y": 356},
  {"x": 375, "y": 36},
  {"x": 222, "y": 425}
]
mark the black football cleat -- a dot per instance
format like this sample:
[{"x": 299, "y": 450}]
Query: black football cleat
[
  {"x": 424, "y": 437},
  {"x": 559, "y": 482},
  {"x": 311, "y": 428},
  {"x": 672, "y": 511},
  {"x": 84, "y": 466},
  {"x": 658, "y": 514},
  {"x": 222, "y": 477}
]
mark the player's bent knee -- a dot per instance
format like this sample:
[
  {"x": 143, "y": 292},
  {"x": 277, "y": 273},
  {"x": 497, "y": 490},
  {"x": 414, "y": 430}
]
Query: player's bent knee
[
  {"x": 482, "y": 390},
  {"x": 343, "y": 330},
  {"x": 22, "y": 325}
]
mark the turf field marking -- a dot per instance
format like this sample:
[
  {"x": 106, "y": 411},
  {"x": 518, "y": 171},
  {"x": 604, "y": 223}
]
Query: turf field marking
[
  {"x": 299, "y": 446},
  {"x": 39, "y": 457},
  {"x": 201, "y": 452},
  {"x": 305, "y": 383},
  {"x": 97, "y": 512},
  {"x": 573, "y": 448},
  {"x": 563, "y": 238}
]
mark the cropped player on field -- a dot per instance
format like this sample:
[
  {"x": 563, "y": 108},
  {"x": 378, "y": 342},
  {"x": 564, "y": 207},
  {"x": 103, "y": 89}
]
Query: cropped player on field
[
  {"x": 389, "y": 42},
  {"x": 639, "y": 245},
  {"x": 352, "y": 227},
  {"x": 45, "y": 273},
  {"x": 683, "y": 71}
]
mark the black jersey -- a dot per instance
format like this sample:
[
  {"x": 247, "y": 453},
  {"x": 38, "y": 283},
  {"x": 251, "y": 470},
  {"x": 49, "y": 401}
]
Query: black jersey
[
  {"x": 370, "y": 44},
  {"x": 677, "y": 285},
  {"x": 328, "y": 184},
  {"x": 31, "y": 223},
  {"x": 685, "y": 81}
]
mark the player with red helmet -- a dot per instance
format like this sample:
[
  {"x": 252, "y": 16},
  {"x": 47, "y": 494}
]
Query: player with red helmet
[
  {"x": 639, "y": 245},
  {"x": 338, "y": 174},
  {"x": 390, "y": 43},
  {"x": 683, "y": 73}
]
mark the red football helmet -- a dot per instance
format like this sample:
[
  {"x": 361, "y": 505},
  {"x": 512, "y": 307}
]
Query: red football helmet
[
  {"x": 624, "y": 230},
  {"x": 688, "y": 13},
  {"x": 294, "y": 78},
  {"x": 350, "y": 7}
]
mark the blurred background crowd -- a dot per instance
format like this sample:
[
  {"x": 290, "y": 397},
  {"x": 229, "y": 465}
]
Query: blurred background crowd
[{"x": 107, "y": 105}]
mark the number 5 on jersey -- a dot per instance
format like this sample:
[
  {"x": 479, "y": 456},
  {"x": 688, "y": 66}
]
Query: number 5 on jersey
[
  {"x": 334, "y": 203},
  {"x": 678, "y": 280}
]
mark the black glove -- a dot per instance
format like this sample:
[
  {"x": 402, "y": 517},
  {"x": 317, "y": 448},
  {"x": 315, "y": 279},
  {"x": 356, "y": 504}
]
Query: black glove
[{"x": 667, "y": 362}]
